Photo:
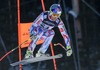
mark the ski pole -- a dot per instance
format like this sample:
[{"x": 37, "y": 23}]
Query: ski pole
[
  {"x": 12, "y": 50},
  {"x": 61, "y": 46}
]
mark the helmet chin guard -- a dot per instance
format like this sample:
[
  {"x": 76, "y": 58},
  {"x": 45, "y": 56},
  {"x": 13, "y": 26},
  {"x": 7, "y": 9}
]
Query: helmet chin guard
[{"x": 55, "y": 10}]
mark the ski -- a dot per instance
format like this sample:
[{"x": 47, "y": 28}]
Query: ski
[{"x": 36, "y": 59}]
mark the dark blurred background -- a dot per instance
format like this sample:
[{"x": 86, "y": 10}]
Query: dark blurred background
[{"x": 82, "y": 21}]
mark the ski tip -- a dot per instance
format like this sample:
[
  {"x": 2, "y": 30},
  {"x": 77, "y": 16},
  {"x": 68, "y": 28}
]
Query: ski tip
[{"x": 11, "y": 64}]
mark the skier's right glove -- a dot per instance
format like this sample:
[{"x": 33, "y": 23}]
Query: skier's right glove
[
  {"x": 32, "y": 36},
  {"x": 69, "y": 51}
]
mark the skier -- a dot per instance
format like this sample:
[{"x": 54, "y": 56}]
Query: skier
[{"x": 42, "y": 28}]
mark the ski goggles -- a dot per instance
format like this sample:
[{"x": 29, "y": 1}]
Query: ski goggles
[{"x": 56, "y": 15}]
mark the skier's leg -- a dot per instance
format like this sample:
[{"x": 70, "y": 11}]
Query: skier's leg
[
  {"x": 29, "y": 52},
  {"x": 49, "y": 36}
]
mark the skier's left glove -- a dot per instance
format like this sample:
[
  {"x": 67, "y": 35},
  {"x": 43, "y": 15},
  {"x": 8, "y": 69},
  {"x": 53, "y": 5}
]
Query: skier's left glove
[{"x": 69, "y": 51}]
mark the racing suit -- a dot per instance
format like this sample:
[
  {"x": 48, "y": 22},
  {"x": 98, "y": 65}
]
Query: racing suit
[{"x": 42, "y": 28}]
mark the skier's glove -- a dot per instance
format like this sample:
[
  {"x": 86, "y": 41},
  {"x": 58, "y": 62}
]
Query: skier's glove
[
  {"x": 32, "y": 36},
  {"x": 69, "y": 51}
]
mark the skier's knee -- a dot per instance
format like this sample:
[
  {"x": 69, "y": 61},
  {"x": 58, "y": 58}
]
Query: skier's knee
[{"x": 49, "y": 33}]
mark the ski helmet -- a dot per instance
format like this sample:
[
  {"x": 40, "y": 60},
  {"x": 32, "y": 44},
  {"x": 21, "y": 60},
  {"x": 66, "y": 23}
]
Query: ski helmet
[{"x": 55, "y": 10}]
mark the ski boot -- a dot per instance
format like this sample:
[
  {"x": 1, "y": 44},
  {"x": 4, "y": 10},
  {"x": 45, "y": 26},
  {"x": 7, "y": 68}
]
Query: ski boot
[
  {"x": 29, "y": 54},
  {"x": 39, "y": 54}
]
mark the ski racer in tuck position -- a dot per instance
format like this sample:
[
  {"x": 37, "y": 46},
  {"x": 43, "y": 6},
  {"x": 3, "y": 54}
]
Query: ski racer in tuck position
[{"x": 42, "y": 28}]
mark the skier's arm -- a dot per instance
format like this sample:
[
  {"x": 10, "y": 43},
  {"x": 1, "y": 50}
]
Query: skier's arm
[
  {"x": 35, "y": 25},
  {"x": 65, "y": 35}
]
